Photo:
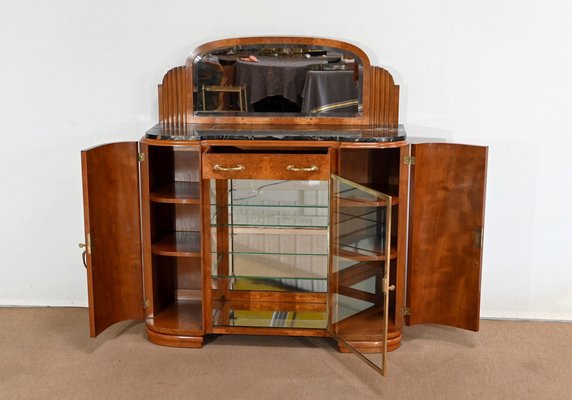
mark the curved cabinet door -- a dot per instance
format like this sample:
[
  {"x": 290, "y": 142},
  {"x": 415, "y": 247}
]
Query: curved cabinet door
[
  {"x": 112, "y": 229},
  {"x": 446, "y": 218}
]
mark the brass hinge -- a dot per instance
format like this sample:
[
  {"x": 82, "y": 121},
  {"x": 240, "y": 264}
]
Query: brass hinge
[
  {"x": 141, "y": 157},
  {"x": 146, "y": 304},
  {"x": 409, "y": 160},
  {"x": 478, "y": 237},
  {"x": 405, "y": 311}
]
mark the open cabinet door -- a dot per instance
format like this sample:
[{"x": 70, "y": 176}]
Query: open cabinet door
[
  {"x": 446, "y": 215},
  {"x": 112, "y": 231},
  {"x": 359, "y": 291}
]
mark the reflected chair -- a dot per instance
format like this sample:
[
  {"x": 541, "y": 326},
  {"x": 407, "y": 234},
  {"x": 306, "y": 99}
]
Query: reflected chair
[{"x": 221, "y": 89}]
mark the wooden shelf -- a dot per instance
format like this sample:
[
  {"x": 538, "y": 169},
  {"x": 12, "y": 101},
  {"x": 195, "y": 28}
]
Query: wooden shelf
[
  {"x": 357, "y": 202},
  {"x": 177, "y": 193},
  {"x": 364, "y": 255},
  {"x": 366, "y": 325},
  {"x": 179, "y": 244},
  {"x": 180, "y": 317}
]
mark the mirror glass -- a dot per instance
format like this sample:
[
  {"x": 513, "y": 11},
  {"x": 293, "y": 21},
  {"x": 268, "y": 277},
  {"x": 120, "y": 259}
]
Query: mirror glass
[{"x": 278, "y": 80}]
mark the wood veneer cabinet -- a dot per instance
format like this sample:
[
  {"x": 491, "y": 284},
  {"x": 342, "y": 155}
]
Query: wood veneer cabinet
[{"x": 225, "y": 222}]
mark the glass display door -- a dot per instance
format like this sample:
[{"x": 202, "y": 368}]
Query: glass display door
[{"x": 359, "y": 276}]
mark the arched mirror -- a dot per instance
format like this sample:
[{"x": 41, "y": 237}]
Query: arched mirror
[{"x": 285, "y": 78}]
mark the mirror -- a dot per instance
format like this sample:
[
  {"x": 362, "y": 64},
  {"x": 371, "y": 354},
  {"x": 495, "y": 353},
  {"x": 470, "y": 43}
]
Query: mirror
[{"x": 277, "y": 79}]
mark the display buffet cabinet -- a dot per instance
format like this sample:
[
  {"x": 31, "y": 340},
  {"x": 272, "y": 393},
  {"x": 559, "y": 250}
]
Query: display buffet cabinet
[{"x": 278, "y": 195}]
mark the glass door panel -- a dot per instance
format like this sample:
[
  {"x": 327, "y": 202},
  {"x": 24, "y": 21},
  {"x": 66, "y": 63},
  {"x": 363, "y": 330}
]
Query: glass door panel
[{"x": 359, "y": 291}]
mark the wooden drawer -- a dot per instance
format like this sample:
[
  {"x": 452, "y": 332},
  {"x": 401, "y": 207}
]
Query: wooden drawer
[{"x": 287, "y": 166}]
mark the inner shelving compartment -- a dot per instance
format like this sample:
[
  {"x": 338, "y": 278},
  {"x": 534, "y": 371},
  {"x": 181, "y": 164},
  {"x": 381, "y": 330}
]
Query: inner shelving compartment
[
  {"x": 378, "y": 169},
  {"x": 175, "y": 222},
  {"x": 269, "y": 242},
  {"x": 174, "y": 174},
  {"x": 177, "y": 290},
  {"x": 375, "y": 168}
]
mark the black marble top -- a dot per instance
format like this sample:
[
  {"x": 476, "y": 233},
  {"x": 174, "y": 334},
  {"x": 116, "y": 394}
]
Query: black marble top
[{"x": 335, "y": 133}]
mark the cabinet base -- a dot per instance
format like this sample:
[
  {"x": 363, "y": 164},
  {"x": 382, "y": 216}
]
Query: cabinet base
[
  {"x": 369, "y": 347},
  {"x": 175, "y": 340},
  {"x": 363, "y": 346}
]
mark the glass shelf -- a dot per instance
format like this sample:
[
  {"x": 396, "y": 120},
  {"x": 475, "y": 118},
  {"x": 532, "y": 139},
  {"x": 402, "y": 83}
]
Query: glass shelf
[
  {"x": 262, "y": 216},
  {"x": 255, "y": 240},
  {"x": 298, "y": 194}
]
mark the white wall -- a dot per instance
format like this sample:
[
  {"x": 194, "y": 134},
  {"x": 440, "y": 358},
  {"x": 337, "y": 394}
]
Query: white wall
[{"x": 76, "y": 73}]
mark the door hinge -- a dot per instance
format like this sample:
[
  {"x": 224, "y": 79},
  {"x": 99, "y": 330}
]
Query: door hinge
[
  {"x": 478, "y": 237},
  {"x": 405, "y": 311},
  {"x": 409, "y": 160},
  {"x": 140, "y": 157},
  {"x": 146, "y": 304}
]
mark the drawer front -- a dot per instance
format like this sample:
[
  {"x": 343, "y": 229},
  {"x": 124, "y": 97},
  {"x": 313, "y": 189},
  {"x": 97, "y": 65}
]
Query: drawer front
[{"x": 266, "y": 166}]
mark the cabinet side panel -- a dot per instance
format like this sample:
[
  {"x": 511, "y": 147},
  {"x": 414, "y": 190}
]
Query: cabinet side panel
[
  {"x": 445, "y": 234},
  {"x": 111, "y": 208}
]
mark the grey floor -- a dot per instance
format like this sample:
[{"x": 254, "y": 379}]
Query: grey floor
[{"x": 45, "y": 353}]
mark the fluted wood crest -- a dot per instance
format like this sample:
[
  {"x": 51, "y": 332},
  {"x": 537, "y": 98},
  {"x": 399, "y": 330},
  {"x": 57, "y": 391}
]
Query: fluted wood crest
[
  {"x": 175, "y": 97},
  {"x": 383, "y": 98}
]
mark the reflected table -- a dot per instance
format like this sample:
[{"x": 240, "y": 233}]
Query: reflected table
[
  {"x": 275, "y": 76},
  {"x": 330, "y": 90}
]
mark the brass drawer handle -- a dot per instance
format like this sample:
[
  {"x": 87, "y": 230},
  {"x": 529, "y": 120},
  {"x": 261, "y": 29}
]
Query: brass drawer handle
[
  {"x": 239, "y": 167},
  {"x": 311, "y": 168}
]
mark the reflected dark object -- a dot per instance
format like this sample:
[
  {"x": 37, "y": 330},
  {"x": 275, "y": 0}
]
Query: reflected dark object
[{"x": 276, "y": 104}]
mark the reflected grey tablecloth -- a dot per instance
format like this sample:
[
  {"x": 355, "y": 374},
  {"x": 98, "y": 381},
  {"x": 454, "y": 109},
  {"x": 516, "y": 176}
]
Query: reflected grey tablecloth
[
  {"x": 330, "y": 91},
  {"x": 273, "y": 76}
]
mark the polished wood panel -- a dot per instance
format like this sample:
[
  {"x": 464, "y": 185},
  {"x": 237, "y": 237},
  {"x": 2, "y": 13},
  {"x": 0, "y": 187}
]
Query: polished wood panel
[
  {"x": 114, "y": 270},
  {"x": 446, "y": 223},
  {"x": 266, "y": 166}
]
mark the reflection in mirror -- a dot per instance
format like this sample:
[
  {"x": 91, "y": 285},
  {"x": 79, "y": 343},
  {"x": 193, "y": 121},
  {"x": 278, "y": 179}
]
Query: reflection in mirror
[{"x": 280, "y": 80}]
